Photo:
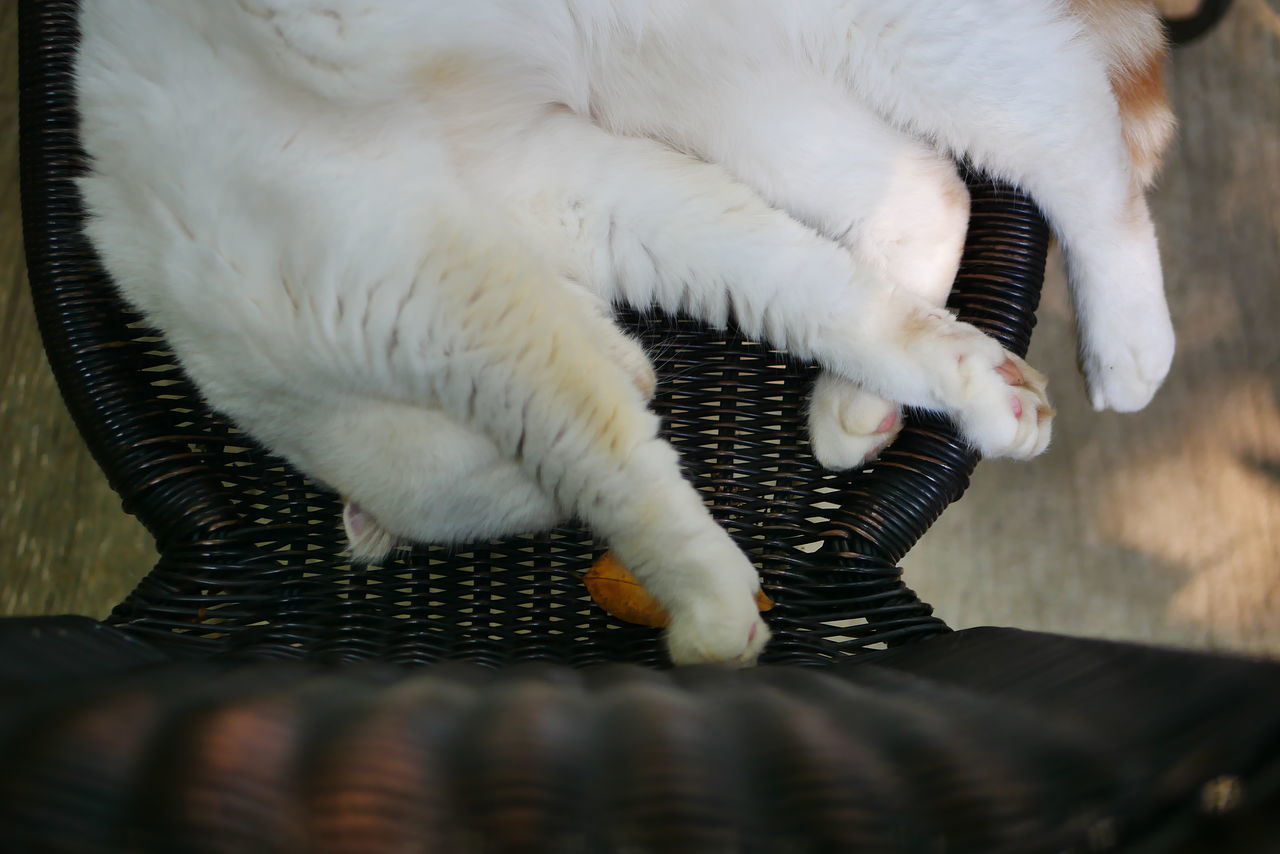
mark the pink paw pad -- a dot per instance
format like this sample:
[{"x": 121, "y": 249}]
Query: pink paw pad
[
  {"x": 890, "y": 421},
  {"x": 1011, "y": 374}
]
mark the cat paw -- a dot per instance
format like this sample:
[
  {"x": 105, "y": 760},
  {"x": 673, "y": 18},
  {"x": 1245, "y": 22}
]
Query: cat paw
[
  {"x": 1123, "y": 370},
  {"x": 998, "y": 401},
  {"x": 1008, "y": 412},
  {"x": 724, "y": 630},
  {"x": 367, "y": 541},
  {"x": 848, "y": 425}
]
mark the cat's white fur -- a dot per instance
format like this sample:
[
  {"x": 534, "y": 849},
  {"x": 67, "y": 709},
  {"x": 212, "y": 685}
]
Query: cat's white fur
[{"x": 383, "y": 235}]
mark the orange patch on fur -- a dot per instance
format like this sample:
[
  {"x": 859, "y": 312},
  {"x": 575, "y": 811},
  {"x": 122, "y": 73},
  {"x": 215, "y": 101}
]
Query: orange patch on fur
[
  {"x": 1134, "y": 46},
  {"x": 1144, "y": 110}
]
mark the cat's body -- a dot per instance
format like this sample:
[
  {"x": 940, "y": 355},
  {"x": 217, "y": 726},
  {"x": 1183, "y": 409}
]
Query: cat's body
[{"x": 382, "y": 235}]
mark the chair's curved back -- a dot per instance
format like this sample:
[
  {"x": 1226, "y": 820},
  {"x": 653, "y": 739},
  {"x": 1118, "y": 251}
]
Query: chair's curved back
[{"x": 250, "y": 552}]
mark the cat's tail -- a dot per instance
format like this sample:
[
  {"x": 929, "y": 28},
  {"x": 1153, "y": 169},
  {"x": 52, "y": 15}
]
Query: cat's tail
[{"x": 1133, "y": 42}]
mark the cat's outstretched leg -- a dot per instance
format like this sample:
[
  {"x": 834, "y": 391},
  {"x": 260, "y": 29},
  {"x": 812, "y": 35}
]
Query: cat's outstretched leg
[
  {"x": 649, "y": 225},
  {"x": 896, "y": 204},
  {"x": 1025, "y": 92},
  {"x": 506, "y": 351},
  {"x": 1024, "y": 89}
]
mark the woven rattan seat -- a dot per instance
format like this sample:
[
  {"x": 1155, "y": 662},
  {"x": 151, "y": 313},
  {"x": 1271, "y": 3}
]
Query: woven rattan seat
[{"x": 257, "y": 692}]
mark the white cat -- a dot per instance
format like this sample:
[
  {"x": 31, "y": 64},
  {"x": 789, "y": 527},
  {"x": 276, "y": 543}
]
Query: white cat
[{"x": 383, "y": 236}]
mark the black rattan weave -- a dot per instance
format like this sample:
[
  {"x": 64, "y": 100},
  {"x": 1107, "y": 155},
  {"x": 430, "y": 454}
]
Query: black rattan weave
[{"x": 250, "y": 552}]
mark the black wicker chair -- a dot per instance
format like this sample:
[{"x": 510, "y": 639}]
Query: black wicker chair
[{"x": 257, "y": 693}]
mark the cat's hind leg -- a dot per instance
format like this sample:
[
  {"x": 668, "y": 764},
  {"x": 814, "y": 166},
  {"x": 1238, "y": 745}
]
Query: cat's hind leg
[
  {"x": 506, "y": 351},
  {"x": 448, "y": 484},
  {"x": 1024, "y": 91},
  {"x": 410, "y": 473},
  {"x": 626, "y": 352}
]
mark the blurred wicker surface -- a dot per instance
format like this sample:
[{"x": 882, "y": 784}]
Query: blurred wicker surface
[{"x": 990, "y": 741}]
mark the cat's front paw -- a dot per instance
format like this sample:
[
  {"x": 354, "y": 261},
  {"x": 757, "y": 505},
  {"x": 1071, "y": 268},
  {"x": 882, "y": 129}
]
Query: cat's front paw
[
  {"x": 1007, "y": 413},
  {"x": 725, "y": 630},
  {"x": 848, "y": 425},
  {"x": 1125, "y": 367},
  {"x": 997, "y": 400}
]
